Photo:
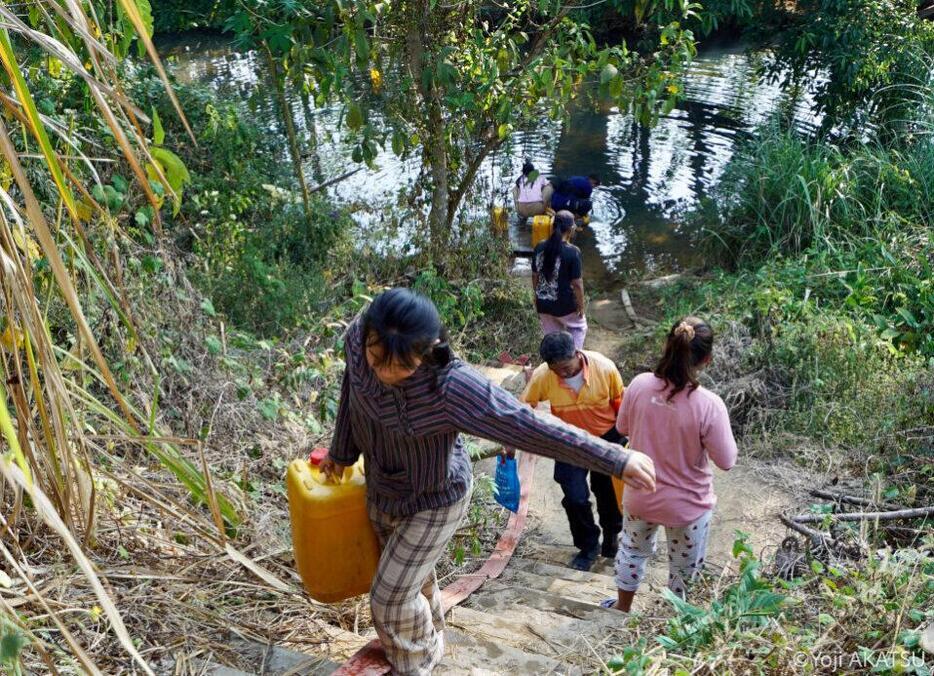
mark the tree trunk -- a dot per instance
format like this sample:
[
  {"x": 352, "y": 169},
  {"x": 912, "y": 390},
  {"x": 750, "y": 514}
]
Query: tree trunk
[
  {"x": 439, "y": 227},
  {"x": 278, "y": 81},
  {"x": 417, "y": 36}
]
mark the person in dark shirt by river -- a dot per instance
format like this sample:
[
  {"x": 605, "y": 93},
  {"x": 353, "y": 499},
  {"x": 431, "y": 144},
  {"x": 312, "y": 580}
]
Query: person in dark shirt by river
[
  {"x": 558, "y": 283},
  {"x": 405, "y": 399},
  {"x": 573, "y": 194}
]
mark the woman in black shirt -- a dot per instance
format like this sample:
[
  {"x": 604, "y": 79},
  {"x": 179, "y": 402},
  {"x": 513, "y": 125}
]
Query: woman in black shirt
[{"x": 557, "y": 282}]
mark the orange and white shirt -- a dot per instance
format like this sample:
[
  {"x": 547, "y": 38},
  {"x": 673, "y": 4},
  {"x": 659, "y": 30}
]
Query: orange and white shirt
[{"x": 593, "y": 407}]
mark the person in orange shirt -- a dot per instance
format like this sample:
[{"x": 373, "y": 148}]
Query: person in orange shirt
[{"x": 584, "y": 389}]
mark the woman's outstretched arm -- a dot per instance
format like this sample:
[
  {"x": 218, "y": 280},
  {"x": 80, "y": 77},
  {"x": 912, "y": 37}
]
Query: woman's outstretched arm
[{"x": 476, "y": 406}]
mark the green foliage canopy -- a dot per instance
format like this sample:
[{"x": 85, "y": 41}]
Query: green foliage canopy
[{"x": 456, "y": 79}]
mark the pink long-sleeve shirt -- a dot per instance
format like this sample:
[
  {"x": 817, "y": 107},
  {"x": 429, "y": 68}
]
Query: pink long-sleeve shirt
[{"x": 682, "y": 436}]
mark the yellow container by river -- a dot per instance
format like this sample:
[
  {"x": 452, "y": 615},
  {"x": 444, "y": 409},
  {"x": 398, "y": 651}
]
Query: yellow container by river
[
  {"x": 500, "y": 220},
  {"x": 541, "y": 228},
  {"x": 336, "y": 550}
]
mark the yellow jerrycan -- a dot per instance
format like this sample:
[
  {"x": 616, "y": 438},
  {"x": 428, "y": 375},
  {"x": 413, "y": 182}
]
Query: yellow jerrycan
[
  {"x": 541, "y": 228},
  {"x": 618, "y": 487},
  {"x": 336, "y": 550},
  {"x": 500, "y": 220}
]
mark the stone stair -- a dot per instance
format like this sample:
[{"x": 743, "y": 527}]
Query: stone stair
[{"x": 528, "y": 621}]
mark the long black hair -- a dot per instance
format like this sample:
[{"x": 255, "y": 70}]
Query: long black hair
[
  {"x": 689, "y": 343},
  {"x": 407, "y": 326},
  {"x": 564, "y": 221},
  {"x": 527, "y": 169}
]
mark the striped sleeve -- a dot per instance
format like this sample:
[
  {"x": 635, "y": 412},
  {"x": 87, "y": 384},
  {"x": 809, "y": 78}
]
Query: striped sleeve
[
  {"x": 343, "y": 449},
  {"x": 476, "y": 406}
]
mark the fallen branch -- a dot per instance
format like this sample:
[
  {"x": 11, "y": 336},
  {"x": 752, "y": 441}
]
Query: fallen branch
[
  {"x": 630, "y": 311},
  {"x": 917, "y": 513},
  {"x": 850, "y": 499},
  {"x": 815, "y": 535},
  {"x": 327, "y": 184}
]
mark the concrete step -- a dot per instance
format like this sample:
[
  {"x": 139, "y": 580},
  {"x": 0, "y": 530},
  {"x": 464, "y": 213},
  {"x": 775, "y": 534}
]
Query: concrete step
[
  {"x": 588, "y": 588},
  {"x": 551, "y": 571},
  {"x": 470, "y": 653},
  {"x": 561, "y": 555},
  {"x": 527, "y": 590},
  {"x": 552, "y": 634},
  {"x": 274, "y": 661}
]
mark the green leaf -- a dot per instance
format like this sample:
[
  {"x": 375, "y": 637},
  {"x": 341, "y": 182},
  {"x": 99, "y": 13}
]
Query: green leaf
[
  {"x": 152, "y": 264},
  {"x": 362, "y": 46},
  {"x": 398, "y": 143},
  {"x": 128, "y": 29},
  {"x": 608, "y": 73},
  {"x": 208, "y": 307},
  {"x": 269, "y": 409},
  {"x": 158, "y": 133},
  {"x": 119, "y": 183},
  {"x": 354, "y": 116},
  {"x": 11, "y": 645},
  {"x": 824, "y": 618},
  {"x": 175, "y": 171},
  {"x": 503, "y": 130},
  {"x": 910, "y": 638},
  {"x": 908, "y": 317},
  {"x": 172, "y": 166},
  {"x": 213, "y": 344}
]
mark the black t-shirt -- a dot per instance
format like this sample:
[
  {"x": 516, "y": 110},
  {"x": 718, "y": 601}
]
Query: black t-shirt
[{"x": 555, "y": 296}]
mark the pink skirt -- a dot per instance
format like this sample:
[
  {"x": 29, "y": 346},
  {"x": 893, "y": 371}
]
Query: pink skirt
[{"x": 572, "y": 323}]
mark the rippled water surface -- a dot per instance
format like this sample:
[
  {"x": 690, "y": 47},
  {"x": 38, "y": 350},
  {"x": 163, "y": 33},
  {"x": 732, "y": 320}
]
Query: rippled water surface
[{"x": 651, "y": 177}]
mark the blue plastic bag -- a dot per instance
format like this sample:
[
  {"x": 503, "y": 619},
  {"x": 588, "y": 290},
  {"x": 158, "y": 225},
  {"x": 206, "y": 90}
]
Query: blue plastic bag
[{"x": 507, "y": 483}]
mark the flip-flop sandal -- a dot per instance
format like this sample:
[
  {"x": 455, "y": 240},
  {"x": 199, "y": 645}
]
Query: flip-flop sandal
[{"x": 607, "y": 603}]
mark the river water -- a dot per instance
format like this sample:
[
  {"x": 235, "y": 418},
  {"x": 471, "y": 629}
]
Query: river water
[{"x": 650, "y": 177}]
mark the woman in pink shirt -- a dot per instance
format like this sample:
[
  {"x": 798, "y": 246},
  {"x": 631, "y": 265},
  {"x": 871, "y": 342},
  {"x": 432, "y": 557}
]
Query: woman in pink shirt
[{"x": 683, "y": 427}]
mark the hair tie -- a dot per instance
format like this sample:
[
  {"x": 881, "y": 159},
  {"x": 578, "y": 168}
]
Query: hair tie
[{"x": 685, "y": 329}]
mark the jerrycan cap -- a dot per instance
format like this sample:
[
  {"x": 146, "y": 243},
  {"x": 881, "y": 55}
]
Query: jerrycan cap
[{"x": 317, "y": 456}]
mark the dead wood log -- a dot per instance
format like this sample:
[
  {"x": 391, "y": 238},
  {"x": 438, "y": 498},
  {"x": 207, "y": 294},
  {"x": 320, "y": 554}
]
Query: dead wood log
[
  {"x": 917, "y": 513},
  {"x": 340, "y": 178},
  {"x": 852, "y": 499},
  {"x": 631, "y": 312},
  {"x": 815, "y": 535}
]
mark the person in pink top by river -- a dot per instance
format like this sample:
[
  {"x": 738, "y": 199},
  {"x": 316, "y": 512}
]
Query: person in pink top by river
[{"x": 684, "y": 428}]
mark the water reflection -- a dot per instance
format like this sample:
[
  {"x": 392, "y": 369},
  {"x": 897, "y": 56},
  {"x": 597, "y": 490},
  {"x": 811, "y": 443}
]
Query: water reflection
[{"x": 650, "y": 176}]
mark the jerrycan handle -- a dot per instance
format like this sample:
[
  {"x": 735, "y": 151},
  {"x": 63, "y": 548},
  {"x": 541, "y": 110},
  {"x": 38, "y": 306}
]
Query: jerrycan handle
[{"x": 317, "y": 455}]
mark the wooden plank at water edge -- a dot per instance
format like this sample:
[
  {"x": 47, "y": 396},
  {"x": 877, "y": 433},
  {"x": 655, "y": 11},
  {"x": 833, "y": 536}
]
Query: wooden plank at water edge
[
  {"x": 370, "y": 660},
  {"x": 460, "y": 589}
]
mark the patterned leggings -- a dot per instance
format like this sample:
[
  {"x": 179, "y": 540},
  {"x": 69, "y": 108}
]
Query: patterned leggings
[
  {"x": 687, "y": 547},
  {"x": 404, "y": 599}
]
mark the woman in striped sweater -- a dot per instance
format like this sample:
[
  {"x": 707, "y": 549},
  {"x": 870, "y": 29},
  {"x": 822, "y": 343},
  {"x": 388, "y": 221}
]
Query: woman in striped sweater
[{"x": 405, "y": 399}]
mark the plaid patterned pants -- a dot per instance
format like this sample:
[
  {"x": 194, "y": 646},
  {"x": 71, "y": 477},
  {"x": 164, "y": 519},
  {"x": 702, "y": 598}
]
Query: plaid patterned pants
[{"x": 405, "y": 599}]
